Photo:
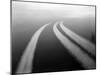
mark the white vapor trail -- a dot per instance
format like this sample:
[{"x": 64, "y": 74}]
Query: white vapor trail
[
  {"x": 86, "y": 61},
  {"x": 25, "y": 65},
  {"x": 86, "y": 44}
]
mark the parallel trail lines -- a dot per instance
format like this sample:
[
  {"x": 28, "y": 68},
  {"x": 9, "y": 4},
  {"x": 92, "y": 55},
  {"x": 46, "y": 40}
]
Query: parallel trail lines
[
  {"x": 25, "y": 65},
  {"x": 82, "y": 57},
  {"x": 26, "y": 62},
  {"x": 86, "y": 44}
]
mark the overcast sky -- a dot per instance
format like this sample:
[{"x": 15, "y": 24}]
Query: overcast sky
[{"x": 60, "y": 10}]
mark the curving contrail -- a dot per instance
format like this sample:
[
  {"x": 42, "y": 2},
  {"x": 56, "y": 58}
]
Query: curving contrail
[
  {"x": 86, "y": 44},
  {"x": 81, "y": 56},
  {"x": 25, "y": 65}
]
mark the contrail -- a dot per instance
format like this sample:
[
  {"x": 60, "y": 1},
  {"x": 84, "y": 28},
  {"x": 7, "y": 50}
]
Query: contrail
[
  {"x": 82, "y": 57},
  {"x": 25, "y": 65},
  {"x": 86, "y": 44}
]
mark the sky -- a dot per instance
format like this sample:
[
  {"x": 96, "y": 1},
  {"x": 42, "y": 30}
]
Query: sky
[{"x": 60, "y": 10}]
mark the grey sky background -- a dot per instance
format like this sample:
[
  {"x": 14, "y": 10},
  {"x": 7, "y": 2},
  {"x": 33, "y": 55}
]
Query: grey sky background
[
  {"x": 28, "y": 17},
  {"x": 57, "y": 10}
]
